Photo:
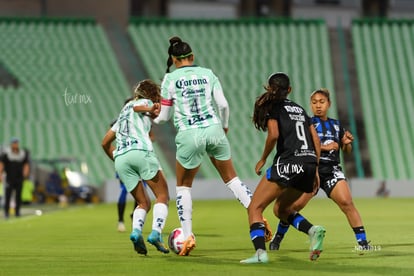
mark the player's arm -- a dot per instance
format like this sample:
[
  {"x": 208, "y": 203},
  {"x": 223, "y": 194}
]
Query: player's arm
[
  {"x": 167, "y": 101},
  {"x": 316, "y": 142},
  {"x": 330, "y": 146},
  {"x": 166, "y": 112},
  {"x": 107, "y": 145},
  {"x": 271, "y": 139},
  {"x": 346, "y": 142},
  {"x": 143, "y": 107},
  {"x": 222, "y": 105}
]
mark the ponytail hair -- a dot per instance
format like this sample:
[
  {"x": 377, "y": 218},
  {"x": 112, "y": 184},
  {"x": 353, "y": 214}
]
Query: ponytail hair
[
  {"x": 277, "y": 90},
  {"x": 179, "y": 49}
]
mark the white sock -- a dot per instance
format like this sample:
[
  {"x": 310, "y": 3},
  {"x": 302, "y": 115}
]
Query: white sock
[
  {"x": 240, "y": 191},
  {"x": 185, "y": 209},
  {"x": 138, "y": 219},
  {"x": 159, "y": 214}
]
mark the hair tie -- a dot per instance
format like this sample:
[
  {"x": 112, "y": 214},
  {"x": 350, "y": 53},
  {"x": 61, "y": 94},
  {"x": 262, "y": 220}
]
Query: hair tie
[{"x": 184, "y": 55}]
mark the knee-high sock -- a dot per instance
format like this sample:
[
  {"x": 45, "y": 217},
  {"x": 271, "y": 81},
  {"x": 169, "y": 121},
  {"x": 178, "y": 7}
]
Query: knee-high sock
[
  {"x": 300, "y": 223},
  {"x": 257, "y": 231},
  {"x": 185, "y": 209},
  {"x": 240, "y": 191},
  {"x": 138, "y": 219},
  {"x": 282, "y": 228},
  {"x": 160, "y": 214},
  {"x": 360, "y": 234}
]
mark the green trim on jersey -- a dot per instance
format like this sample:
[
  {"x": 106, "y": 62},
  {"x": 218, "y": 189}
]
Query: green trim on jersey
[
  {"x": 132, "y": 129},
  {"x": 191, "y": 88}
]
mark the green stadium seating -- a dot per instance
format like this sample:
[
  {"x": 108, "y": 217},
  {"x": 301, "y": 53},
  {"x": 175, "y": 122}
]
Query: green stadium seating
[
  {"x": 71, "y": 88},
  {"x": 243, "y": 53},
  {"x": 385, "y": 61}
]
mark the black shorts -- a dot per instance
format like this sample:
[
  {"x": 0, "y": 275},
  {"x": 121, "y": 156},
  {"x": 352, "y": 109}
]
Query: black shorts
[
  {"x": 329, "y": 176},
  {"x": 294, "y": 174}
]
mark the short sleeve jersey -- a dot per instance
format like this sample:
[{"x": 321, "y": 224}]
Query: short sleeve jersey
[
  {"x": 132, "y": 129},
  {"x": 13, "y": 164},
  {"x": 295, "y": 140},
  {"x": 191, "y": 88},
  {"x": 329, "y": 131}
]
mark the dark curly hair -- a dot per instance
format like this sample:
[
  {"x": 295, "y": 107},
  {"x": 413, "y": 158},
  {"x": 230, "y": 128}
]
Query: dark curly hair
[{"x": 276, "y": 90}]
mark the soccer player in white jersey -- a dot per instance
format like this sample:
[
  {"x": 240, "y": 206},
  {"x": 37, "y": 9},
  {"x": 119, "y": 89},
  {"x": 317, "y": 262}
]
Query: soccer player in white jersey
[
  {"x": 190, "y": 92},
  {"x": 135, "y": 160}
]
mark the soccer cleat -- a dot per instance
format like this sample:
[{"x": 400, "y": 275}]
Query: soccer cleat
[
  {"x": 268, "y": 231},
  {"x": 316, "y": 240},
  {"x": 121, "y": 227},
  {"x": 364, "y": 247},
  {"x": 275, "y": 243},
  {"x": 138, "y": 242},
  {"x": 156, "y": 240},
  {"x": 260, "y": 257},
  {"x": 188, "y": 245}
]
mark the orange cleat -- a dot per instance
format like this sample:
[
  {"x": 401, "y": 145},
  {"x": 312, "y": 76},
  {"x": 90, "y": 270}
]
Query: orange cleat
[{"x": 188, "y": 245}]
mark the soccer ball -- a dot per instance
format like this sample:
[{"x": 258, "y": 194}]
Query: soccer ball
[{"x": 176, "y": 240}]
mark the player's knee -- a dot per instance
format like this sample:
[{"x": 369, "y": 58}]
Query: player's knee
[
  {"x": 144, "y": 205},
  {"x": 346, "y": 205},
  {"x": 163, "y": 198}
]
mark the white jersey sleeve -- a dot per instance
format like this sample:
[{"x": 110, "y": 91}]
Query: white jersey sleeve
[{"x": 222, "y": 104}]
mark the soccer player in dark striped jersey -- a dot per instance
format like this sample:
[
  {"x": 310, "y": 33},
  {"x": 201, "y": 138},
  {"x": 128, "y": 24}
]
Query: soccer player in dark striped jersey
[
  {"x": 333, "y": 138},
  {"x": 294, "y": 169}
]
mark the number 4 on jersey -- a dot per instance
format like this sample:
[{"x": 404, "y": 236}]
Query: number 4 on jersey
[{"x": 194, "y": 106}]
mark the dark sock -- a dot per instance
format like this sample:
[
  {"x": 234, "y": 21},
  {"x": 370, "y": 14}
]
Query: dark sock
[
  {"x": 300, "y": 223},
  {"x": 282, "y": 228},
  {"x": 257, "y": 231},
  {"x": 360, "y": 235},
  {"x": 121, "y": 210}
]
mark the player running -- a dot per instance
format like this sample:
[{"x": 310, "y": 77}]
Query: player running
[
  {"x": 135, "y": 160},
  {"x": 294, "y": 169},
  {"x": 190, "y": 93},
  {"x": 333, "y": 137}
]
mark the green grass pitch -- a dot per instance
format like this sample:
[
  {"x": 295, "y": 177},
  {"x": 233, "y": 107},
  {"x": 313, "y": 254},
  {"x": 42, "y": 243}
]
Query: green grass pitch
[{"x": 83, "y": 241}]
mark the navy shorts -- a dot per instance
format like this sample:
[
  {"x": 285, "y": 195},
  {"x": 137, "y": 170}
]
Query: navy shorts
[
  {"x": 329, "y": 176},
  {"x": 293, "y": 173}
]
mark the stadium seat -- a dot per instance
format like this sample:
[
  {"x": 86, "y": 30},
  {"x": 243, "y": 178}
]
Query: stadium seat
[
  {"x": 71, "y": 88},
  {"x": 383, "y": 51}
]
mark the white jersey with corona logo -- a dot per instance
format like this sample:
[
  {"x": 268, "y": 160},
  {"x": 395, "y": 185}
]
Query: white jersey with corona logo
[
  {"x": 132, "y": 129},
  {"x": 192, "y": 88}
]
